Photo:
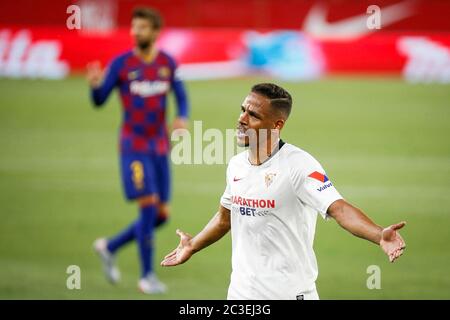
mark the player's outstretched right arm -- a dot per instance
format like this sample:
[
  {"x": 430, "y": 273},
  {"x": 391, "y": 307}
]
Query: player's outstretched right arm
[{"x": 216, "y": 228}]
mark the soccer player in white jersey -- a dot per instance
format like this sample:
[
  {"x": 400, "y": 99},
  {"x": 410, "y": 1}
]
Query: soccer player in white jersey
[{"x": 273, "y": 194}]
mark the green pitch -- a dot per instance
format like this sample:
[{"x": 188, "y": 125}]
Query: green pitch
[{"x": 383, "y": 143}]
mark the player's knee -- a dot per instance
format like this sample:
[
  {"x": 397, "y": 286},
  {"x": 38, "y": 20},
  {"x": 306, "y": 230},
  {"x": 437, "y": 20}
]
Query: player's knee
[
  {"x": 163, "y": 215},
  {"x": 148, "y": 200},
  {"x": 164, "y": 210}
]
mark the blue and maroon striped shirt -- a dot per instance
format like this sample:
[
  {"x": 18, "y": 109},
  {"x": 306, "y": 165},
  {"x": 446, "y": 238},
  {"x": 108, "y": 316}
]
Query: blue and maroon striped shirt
[{"x": 143, "y": 89}]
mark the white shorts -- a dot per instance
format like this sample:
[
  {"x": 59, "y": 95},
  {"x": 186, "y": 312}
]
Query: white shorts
[
  {"x": 309, "y": 295},
  {"x": 242, "y": 294}
]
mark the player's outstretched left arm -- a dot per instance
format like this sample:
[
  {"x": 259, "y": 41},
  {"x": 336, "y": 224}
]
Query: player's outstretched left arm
[{"x": 355, "y": 221}]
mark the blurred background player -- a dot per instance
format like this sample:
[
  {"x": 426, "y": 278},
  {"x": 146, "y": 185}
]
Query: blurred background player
[{"x": 144, "y": 77}]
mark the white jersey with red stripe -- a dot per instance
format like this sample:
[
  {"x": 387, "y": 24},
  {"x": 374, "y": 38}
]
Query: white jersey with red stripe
[{"x": 273, "y": 210}]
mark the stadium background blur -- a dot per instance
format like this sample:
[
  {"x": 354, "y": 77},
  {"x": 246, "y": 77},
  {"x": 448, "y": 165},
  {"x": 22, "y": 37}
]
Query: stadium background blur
[{"x": 371, "y": 104}]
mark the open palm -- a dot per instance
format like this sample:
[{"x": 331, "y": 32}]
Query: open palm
[
  {"x": 180, "y": 254},
  {"x": 391, "y": 241}
]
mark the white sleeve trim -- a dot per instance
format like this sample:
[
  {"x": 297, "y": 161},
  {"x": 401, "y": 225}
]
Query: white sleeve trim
[
  {"x": 324, "y": 209},
  {"x": 225, "y": 205}
]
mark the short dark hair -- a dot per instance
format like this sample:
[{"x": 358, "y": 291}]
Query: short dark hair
[
  {"x": 150, "y": 14},
  {"x": 280, "y": 99}
]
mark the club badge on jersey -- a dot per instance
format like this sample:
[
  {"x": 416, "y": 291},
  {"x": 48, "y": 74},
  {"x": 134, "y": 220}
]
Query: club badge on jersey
[
  {"x": 269, "y": 178},
  {"x": 164, "y": 72}
]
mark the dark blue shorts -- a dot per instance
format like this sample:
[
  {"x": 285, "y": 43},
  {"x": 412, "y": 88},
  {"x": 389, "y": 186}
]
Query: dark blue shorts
[{"x": 144, "y": 174}]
